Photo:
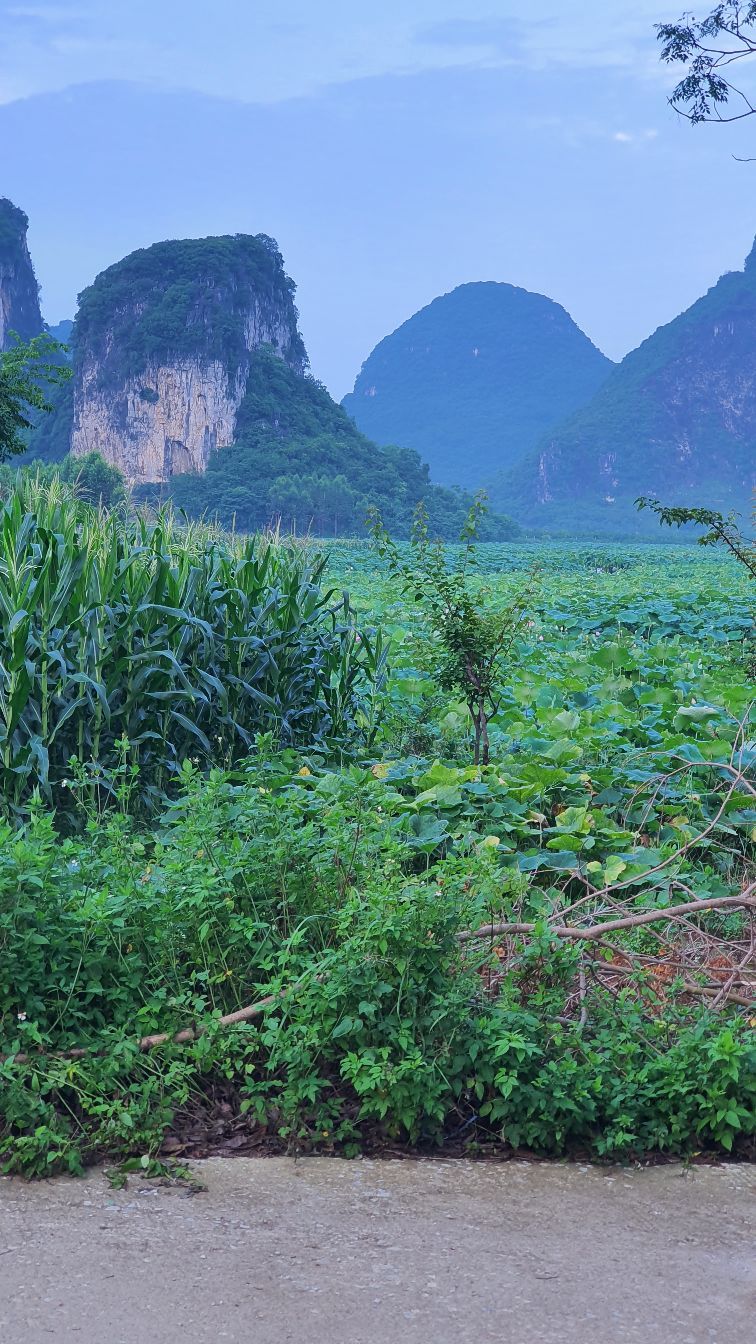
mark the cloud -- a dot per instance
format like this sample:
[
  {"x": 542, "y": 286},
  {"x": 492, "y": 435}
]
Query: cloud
[
  {"x": 43, "y": 13},
  {"x": 34, "y": 22},
  {"x": 502, "y": 36},
  {"x": 268, "y": 52},
  {"x": 634, "y": 137}
]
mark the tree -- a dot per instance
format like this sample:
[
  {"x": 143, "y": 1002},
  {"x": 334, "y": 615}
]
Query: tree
[
  {"x": 94, "y": 479},
  {"x": 474, "y": 641},
  {"x": 290, "y": 502},
  {"x": 28, "y": 370},
  {"x": 709, "y": 47}
]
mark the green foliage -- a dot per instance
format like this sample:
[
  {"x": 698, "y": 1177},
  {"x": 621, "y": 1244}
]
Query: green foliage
[
  {"x": 94, "y": 480},
  {"x": 49, "y": 438},
  {"x": 298, "y": 460},
  {"x": 183, "y": 297},
  {"x": 719, "y": 530},
  {"x": 121, "y": 635},
  {"x": 90, "y": 478},
  {"x": 28, "y": 372},
  {"x": 301, "y": 887},
  {"x": 473, "y": 641},
  {"x": 709, "y": 47},
  {"x": 332, "y": 898}
]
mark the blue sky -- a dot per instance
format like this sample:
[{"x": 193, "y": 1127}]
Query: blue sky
[
  {"x": 268, "y": 50},
  {"x": 393, "y": 149}
]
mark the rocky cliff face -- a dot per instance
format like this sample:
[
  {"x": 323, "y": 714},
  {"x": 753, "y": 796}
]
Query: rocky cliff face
[
  {"x": 19, "y": 294},
  {"x": 162, "y": 345},
  {"x": 677, "y": 418},
  {"x": 165, "y": 421}
]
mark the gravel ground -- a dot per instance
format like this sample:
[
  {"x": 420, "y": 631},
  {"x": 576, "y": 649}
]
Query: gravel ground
[{"x": 324, "y": 1251}]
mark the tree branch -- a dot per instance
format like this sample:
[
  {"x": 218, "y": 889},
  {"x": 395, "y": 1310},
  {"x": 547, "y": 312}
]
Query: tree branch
[
  {"x": 613, "y": 925},
  {"x": 146, "y": 1043}
]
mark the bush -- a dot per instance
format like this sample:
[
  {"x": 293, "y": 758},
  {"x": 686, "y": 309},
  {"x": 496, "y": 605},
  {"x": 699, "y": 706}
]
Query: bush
[{"x": 295, "y": 887}]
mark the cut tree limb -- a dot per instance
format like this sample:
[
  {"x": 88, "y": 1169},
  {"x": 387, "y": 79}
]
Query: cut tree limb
[
  {"x": 177, "y": 1038},
  {"x": 613, "y": 925}
]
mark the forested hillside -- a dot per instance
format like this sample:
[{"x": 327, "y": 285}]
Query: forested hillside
[
  {"x": 676, "y": 419},
  {"x": 473, "y": 380},
  {"x": 297, "y": 456}
]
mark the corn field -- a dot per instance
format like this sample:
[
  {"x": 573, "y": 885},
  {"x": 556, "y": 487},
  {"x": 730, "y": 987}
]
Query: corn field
[{"x": 123, "y": 638}]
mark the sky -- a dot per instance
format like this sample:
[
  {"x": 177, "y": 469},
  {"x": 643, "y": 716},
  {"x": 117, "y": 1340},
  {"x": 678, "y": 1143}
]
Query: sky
[{"x": 393, "y": 149}]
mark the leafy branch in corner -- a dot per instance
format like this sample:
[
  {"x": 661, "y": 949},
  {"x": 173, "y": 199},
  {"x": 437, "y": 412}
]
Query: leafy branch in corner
[
  {"x": 474, "y": 642},
  {"x": 720, "y": 530},
  {"x": 28, "y": 371},
  {"x": 709, "y": 47}
]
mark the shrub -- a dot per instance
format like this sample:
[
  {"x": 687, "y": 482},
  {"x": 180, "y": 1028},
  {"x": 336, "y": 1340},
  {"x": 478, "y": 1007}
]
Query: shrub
[
  {"x": 295, "y": 887},
  {"x": 473, "y": 642}
]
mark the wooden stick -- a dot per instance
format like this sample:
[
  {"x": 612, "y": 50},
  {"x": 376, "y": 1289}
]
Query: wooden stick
[
  {"x": 612, "y": 925},
  {"x": 178, "y": 1038},
  {"x": 688, "y": 987}
]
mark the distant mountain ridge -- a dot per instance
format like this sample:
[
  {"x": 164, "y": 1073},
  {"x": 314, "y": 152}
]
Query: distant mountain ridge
[
  {"x": 473, "y": 380},
  {"x": 677, "y": 419}
]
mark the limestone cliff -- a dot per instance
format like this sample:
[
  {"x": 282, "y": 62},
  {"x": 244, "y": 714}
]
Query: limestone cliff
[
  {"x": 19, "y": 294},
  {"x": 162, "y": 344}
]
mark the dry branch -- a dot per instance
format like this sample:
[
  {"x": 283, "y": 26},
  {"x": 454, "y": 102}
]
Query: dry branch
[
  {"x": 177, "y": 1038},
  {"x": 612, "y": 925}
]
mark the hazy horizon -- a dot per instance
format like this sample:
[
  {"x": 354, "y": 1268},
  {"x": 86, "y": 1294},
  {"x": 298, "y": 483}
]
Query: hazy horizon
[{"x": 393, "y": 156}]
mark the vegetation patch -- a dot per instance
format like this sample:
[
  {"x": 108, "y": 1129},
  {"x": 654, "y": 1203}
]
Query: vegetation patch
[
  {"x": 299, "y": 460},
  {"x": 130, "y": 645},
  {"x": 363, "y": 940}
]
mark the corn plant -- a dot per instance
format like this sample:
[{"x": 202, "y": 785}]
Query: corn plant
[{"x": 178, "y": 641}]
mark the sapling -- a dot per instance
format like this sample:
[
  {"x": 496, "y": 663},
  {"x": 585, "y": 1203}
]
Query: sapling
[{"x": 474, "y": 640}]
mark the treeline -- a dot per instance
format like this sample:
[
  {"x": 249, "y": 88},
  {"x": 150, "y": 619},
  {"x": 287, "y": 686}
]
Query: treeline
[
  {"x": 299, "y": 459},
  {"x": 91, "y": 478}
]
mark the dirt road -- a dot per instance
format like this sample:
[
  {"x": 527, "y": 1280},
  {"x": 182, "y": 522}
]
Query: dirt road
[{"x": 330, "y": 1252}]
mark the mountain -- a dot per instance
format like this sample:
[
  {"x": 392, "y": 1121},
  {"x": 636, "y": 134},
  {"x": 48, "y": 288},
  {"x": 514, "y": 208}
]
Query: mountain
[
  {"x": 676, "y": 419},
  {"x": 474, "y": 380},
  {"x": 190, "y": 376},
  {"x": 19, "y": 292},
  {"x": 161, "y": 350},
  {"x": 61, "y": 331}
]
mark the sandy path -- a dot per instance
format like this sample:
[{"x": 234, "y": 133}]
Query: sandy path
[{"x": 368, "y": 1252}]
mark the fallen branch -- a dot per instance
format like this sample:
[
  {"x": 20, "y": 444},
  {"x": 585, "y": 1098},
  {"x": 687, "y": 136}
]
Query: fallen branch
[
  {"x": 149, "y": 1042},
  {"x": 721, "y": 992},
  {"x": 612, "y": 925},
  {"x": 709, "y": 992}
]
